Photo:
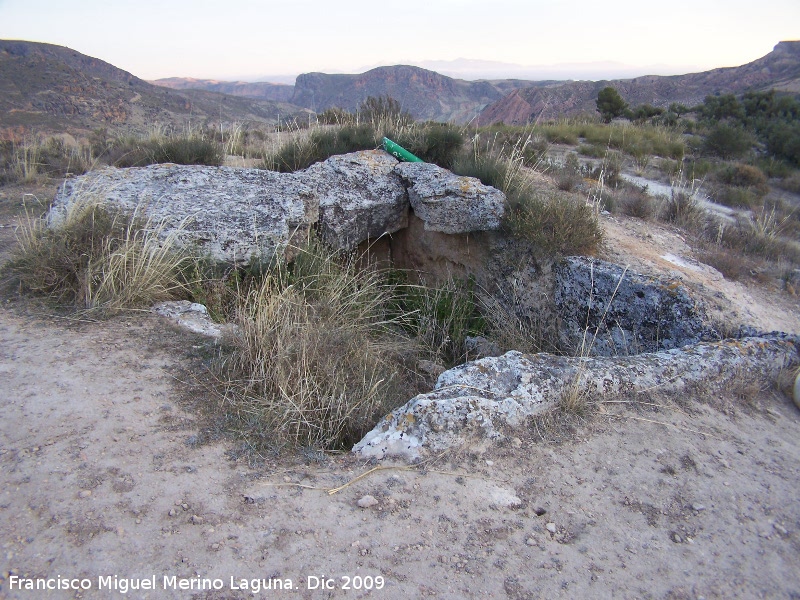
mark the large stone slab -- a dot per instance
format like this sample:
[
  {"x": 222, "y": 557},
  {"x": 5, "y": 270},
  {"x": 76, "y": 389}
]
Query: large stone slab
[
  {"x": 487, "y": 397},
  {"x": 606, "y": 310},
  {"x": 230, "y": 214},
  {"x": 360, "y": 197},
  {"x": 451, "y": 203}
]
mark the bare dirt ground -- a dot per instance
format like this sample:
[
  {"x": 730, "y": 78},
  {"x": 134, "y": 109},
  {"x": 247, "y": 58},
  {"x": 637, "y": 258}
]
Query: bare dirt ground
[{"x": 108, "y": 470}]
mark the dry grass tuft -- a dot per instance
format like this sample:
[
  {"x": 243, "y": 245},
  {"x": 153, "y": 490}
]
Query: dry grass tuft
[
  {"x": 97, "y": 259},
  {"x": 317, "y": 360}
]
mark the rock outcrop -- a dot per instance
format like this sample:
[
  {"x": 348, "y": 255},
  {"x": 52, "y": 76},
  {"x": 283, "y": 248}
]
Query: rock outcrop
[
  {"x": 606, "y": 310},
  {"x": 451, "y": 203},
  {"x": 487, "y": 397},
  {"x": 360, "y": 197},
  {"x": 234, "y": 215},
  {"x": 231, "y": 214}
]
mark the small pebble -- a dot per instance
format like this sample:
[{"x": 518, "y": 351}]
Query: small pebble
[
  {"x": 490, "y": 462},
  {"x": 367, "y": 501},
  {"x": 780, "y": 529},
  {"x": 85, "y": 493},
  {"x": 196, "y": 520},
  {"x": 530, "y": 542},
  {"x": 172, "y": 512},
  {"x": 551, "y": 527},
  {"x": 698, "y": 507},
  {"x": 516, "y": 442}
]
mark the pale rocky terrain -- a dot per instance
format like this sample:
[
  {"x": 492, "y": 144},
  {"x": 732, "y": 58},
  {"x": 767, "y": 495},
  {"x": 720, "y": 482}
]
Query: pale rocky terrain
[{"x": 110, "y": 468}]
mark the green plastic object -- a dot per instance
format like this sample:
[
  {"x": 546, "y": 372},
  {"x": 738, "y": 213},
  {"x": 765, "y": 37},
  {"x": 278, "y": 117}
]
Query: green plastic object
[{"x": 399, "y": 152}]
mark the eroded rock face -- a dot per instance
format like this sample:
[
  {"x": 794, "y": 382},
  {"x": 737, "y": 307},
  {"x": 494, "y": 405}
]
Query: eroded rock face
[
  {"x": 606, "y": 310},
  {"x": 231, "y": 214},
  {"x": 451, "y": 203},
  {"x": 234, "y": 215},
  {"x": 360, "y": 197},
  {"x": 483, "y": 398}
]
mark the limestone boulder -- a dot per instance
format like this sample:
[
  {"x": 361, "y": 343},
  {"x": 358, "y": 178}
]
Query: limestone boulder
[
  {"x": 230, "y": 214},
  {"x": 484, "y": 400},
  {"x": 606, "y": 310},
  {"x": 360, "y": 197},
  {"x": 451, "y": 203}
]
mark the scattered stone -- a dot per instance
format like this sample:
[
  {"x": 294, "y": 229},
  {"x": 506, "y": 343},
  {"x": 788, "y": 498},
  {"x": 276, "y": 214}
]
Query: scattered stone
[
  {"x": 430, "y": 369},
  {"x": 698, "y": 507},
  {"x": 85, "y": 493},
  {"x": 196, "y": 520},
  {"x": 551, "y": 527},
  {"x": 780, "y": 529},
  {"x": 367, "y": 501},
  {"x": 451, "y": 203},
  {"x": 530, "y": 542},
  {"x": 607, "y": 310},
  {"x": 172, "y": 512},
  {"x": 503, "y": 497},
  {"x": 516, "y": 442},
  {"x": 479, "y": 347},
  {"x": 676, "y": 537},
  {"x": 191, "y": 316}
]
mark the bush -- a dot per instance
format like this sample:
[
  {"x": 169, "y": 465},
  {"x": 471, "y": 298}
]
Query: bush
[
  {"x": 556, "y": 225},
  {"x": 315, "y": 363},
  {"x": 96, "y": 259},
  {"x": 439, "y": 317},
  {"x": 727, "y": 141},
  {"x": 741, "y": 175},
  {"x": 635, "y": 202},
  {"x": 682, "y": 209},
  {"x": 181, "y": 150}
]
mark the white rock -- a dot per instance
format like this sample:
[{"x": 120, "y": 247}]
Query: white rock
[
  {"x": 451, "y": 203},
  {"x": 481, "y": 398},
  {"x": 796, "y": 394},
  {"x": 551, "y": 527},
  {"x": 367, "y": 501}
]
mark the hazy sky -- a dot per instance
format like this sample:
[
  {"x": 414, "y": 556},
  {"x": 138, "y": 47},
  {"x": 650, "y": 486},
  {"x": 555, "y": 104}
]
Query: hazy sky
[{"x": 247, "y": 39}]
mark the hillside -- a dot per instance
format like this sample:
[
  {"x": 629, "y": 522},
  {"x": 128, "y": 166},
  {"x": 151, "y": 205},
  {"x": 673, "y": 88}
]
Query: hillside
[
  {"x": 51, "y": 88},
  {"x": 779, "y": 69},
  {"x": 262, "y": 90},
  {"x": 427, "y": 95}
]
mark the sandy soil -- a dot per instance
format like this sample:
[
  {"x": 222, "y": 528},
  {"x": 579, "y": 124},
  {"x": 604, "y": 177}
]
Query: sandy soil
[{"x": 108, "y": 471}]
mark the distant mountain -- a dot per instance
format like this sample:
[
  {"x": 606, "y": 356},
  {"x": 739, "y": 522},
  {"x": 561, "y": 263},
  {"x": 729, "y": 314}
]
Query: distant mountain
[
  {"x": 277, "y": 92},
  {"x": 55, "y": 89},
  {"x": 779, "y": 69},
  {"x": 427, "y": 95},
  {"x": 471, "y": 69}
]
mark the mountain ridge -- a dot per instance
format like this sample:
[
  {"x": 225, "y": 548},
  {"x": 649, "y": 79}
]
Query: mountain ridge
[
  {"x": 45, "y": 87},
  {"x": 780, "y": 69}
]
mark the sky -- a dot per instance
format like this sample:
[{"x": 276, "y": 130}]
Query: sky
[{"x": 250, "y": 40}]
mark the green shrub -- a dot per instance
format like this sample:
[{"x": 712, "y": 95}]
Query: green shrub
[
  {"x": 555, "y": 224},
  {"x": 736, "y": 197},
  {"x": 439, "y": 317},
  {"x": 727, "y": 141},
  {"x": 741, "y": 175}
]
